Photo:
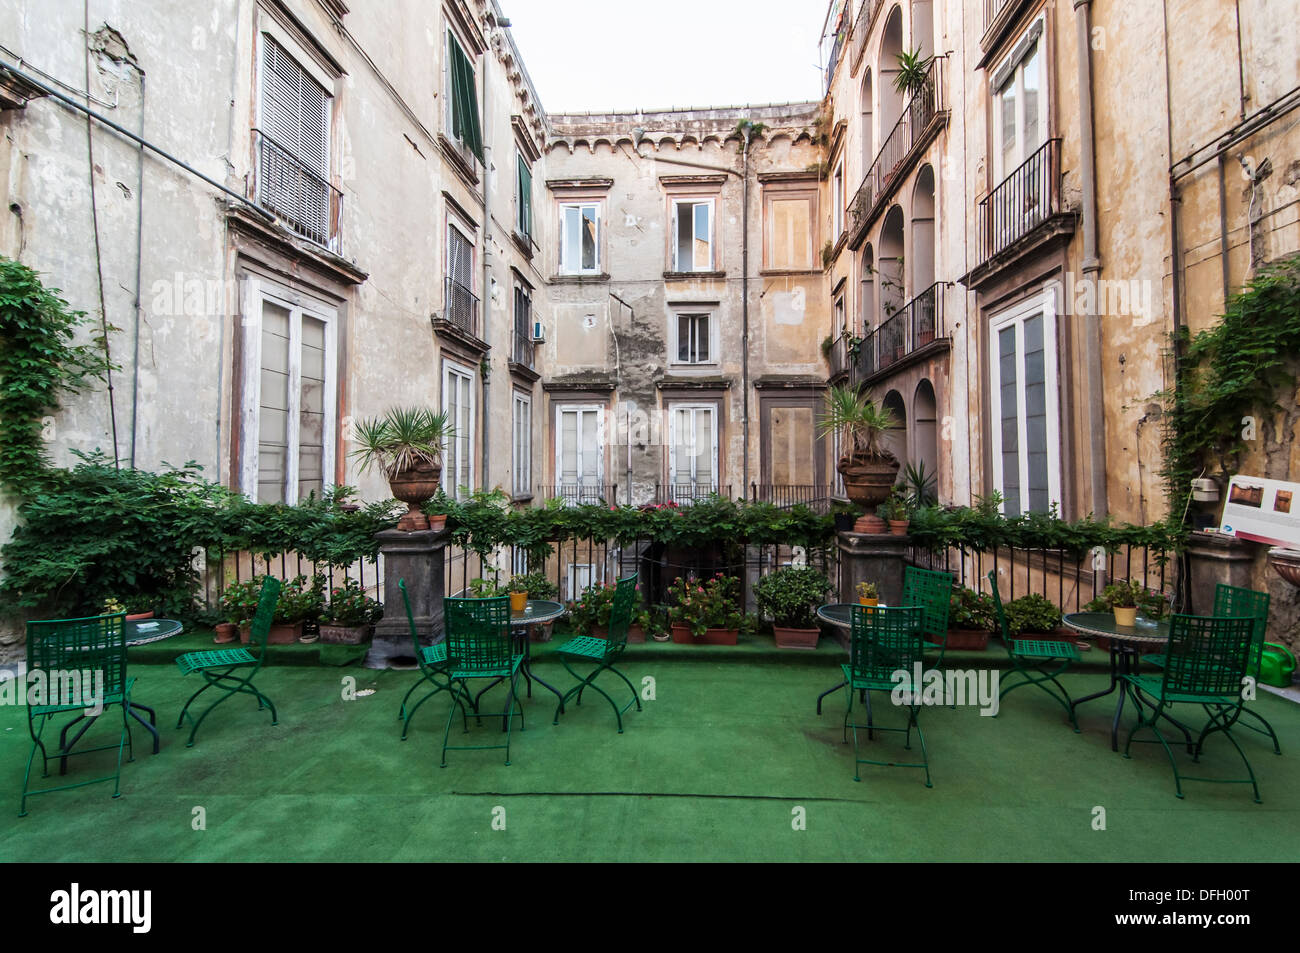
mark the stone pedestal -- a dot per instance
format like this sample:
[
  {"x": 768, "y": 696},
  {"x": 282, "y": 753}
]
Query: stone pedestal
[
  {"x": 418, "y": 559},
  {"x": 1214, "y": 558},
  {"x": 871, "y": 557}
]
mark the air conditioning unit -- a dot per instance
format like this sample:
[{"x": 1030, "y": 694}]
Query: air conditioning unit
[{"x": 538, "y": 333}]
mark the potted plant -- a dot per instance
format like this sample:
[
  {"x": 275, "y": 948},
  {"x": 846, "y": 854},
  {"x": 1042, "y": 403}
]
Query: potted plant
[
  {"x": 1122, "y": 599},
  {"x": 1032, "y": 614},
  {"x": 656, "y": 623},
  {"x": 861, "y": 424},
  {"x": 971, "y": 617},
  {"x": 790, "y": 597},
  {"x": 518, "y": 597},
  {"x": 895, "y": 512},
  {"x": 349, "y": 614},
  {"x": 705, "y": 612},
  {"x": 868, "y": 594},
  {"x": 436, "y": 510},
  {"x": 913, "y": 73},
  {"x": 406, "y": 443},
  {"x": 298, "y": 603},
  {"x": 238, "y": 605},
  {"x": 590, "y": 612}
]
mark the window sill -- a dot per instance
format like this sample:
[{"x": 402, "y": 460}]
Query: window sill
[
  {"x": 693, "y": 275},
  {"x": 461, "y": 159},
  {"x": 789, "y": 272},
  {"x": 524, "y": 243},
  {"x": 591, "y": 279}
]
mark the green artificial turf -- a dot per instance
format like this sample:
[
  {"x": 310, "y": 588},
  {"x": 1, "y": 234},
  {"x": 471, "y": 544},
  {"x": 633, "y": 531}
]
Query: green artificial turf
[{"x": 712, "y": 769}]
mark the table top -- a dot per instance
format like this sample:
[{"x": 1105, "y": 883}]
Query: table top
[
  {"x": 144, "y": 631},
  {"x": 840, "y": 613},
  {"x": 538, "y": 611},
  {"x": 1103, "y": 623}
]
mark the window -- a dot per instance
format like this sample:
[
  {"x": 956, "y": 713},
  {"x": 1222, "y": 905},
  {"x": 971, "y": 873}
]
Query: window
[
  {"x": 1020, "y": 105},
  {"x": 841, "y": 318},
  {"x": 837, "y": 198},
  {"x": 580, "y": 238},
  {"x": 1025, "y": 415},
  {"x": 522, "y": 353},
  {"x": 788, "y": 229},
  {"x": 292, "y": 143},
  {"x": 693, "y": 447},
  {"x": 523, "y": 197},
  {"x": 522, "y": 457},
  {"x": 694, "y": 339},
  {"x": 289, "y": 385},
  {"x": 692, "y": 229},
  {"x": 579, "y": 577},
  {"x": 579, "y": 452},
  {"x": 462, "y": 98},
  {"x": 461, "y": 304},
  {"x": 458, "y": 402}
]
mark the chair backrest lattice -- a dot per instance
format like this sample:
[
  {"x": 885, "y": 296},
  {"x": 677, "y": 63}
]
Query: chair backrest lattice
[
  {"x": 884, "y": 640},
  {"x": 932, "y": 592},
  {"x": 1245, "y": 603},
  {"x": 260, "y": 627},
  {"x": 999, "y": 611},
  {"x": 620, "y": 614},
  {"x": 478, "y": 633},
  {"x": 76, "y": 659},
  {"x": 1208, "y": 655}
]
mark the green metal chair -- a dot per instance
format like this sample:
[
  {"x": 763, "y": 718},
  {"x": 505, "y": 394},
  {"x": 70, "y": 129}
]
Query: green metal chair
[
  {"x": 435, "y": 670},
  {"x": 74, "y": 665},
  {"x": 218, "y": 667},
  {"x": 602, "y": 653},
  {"x": 1238, "y": 602},
  {"x": 1037, "y": 661},
  {"x": 932, "y": 592},
  {"x": 883, "y": 643},
  {"x": 1206, "y": 662},
  {"x": 480, "y": 645}
]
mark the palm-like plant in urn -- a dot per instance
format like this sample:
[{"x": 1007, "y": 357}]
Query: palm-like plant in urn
[{"x": 407, "y": 444}]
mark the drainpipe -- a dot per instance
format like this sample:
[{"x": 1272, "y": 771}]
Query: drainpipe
[
  {"x": 486, "y": 368},
  {"x": 1091, "y": 265},
  {"x": 744, "y": 308}
]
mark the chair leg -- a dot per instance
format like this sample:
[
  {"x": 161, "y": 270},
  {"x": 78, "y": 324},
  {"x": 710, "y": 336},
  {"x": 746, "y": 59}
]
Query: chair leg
[
  {"x": 410, "y": 712},
  {"x": 1267, "y": 729}
]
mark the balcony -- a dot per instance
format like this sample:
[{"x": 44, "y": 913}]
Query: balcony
[
  {"x": 834, "y": 59},
  {"x": 521, "y": 345},
  {"x": 785, "y": 495},
  {"x": 578, "y": 493},
  {"x": 838, "y": 356},
  {"x": 861, "y": 30},
  {"x": 460, "y": 307},
  {"x": 922, "y": 117},
  {"x": 909, "y": 330},
  {"x": 1012, "y": 215},
  {"x": 686, "y": 493},
  {"x": 295, "y": 194}
]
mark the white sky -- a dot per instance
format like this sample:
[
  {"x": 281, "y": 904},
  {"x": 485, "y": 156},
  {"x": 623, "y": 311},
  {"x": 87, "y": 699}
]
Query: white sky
[{"x": 591, "y": 55}]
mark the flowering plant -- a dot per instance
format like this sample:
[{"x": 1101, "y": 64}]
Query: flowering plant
[
  {"x": 299, "y": 601},
  {"x": 350, "y": 606},
  {"x": 239, "y": 600},
  {"x": 592, "y": 608},
  {"x": 705, "y": 604}
]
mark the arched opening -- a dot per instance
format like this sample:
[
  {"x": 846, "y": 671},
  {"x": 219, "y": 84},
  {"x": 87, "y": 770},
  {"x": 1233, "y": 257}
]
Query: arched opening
[
  {"x": 868, "y": 132},
  {"x": 866, "y": 289},
  {"x": 891, "y": 45},
  {"x": 925, "y": 431},
  {"x": 896, "y": 439},
  {"x": 923, "y": 26},
  {"x": 922, "y": 257},
  {"x": 890, "y": 288}
]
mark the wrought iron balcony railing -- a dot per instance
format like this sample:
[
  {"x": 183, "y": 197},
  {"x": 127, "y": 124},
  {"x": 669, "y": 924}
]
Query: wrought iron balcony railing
[
  {"x": 460, "y": 307},
  {"x": 838, "y": 357},
  {"x": 786, "y": 495},
  {"x": 862, "y": 29},
  {"x": 1025, "y": 199},
  {"x": 295, "y": 194},
  {"x": 682, "y": 493},
  {"x": 916, "y": 324},
  {"x": 574, "y": 493}
]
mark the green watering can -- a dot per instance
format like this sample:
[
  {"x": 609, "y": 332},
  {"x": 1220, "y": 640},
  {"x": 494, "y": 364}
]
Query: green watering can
[{"x": 1276, "y": 665}]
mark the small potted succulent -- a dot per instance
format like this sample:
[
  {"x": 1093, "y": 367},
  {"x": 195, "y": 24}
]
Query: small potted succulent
[
  {"x": 971, "y": 617},
  {"x": 705, "y": 612},
  {"x": 868, "y": 594},
  {"x": 790, "y": 596},
  {"x": 349, "y": 614}
]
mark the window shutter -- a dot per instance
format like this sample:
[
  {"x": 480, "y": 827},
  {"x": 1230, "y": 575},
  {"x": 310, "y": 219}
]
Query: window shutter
[
  {"x": 525, "y": 198},
  {"x": 465, "y": 121},
  {"x": 295, "y": 164}
]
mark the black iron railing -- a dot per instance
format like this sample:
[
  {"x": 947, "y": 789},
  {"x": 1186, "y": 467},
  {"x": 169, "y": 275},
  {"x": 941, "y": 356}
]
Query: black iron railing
[
  {"x": 1025, "y": 199},
  {"x": 838, "y": 356},
  {"x": 917, "y": 323},
  {"x": 294, "y": 193},
  {"x": 574, "y": 493},
  {"x": 862, "y": 29},
  {"x": 785, "y": 495},
  {"x": 460, "y": 307},
  {"x": 835, "y": 57},
  {"x": 688, "y": 492},
  {"x": 909, "y": 135}
]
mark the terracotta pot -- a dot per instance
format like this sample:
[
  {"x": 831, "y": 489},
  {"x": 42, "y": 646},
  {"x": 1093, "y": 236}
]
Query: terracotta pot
[
  {"x": 414, "y": 486},
  {"x": 923, "y": 338},
  {"x": 787, "y": 638},
  {"x": 635, "y": 634},
  {"x": 245, "y": 633},
  {"x": 518, "y": 601},
  {"x": 970, "y": 640},
  {"x": 871, "y": 525},
  {"x": 898, "y": 527},
  {"x": 437, "y": 523},
  {"x": 343, "y": 634},
  {"x": 138, "y": 616},
  {"x": 682, "y": 636},
  {"x": 1125, "y": 616},
  {"x": 226, "y": 632},
  {"x": 868, "y": 482},
  {"x": 599, "y": 632},
  {"x": 284, "y": 633},
  {"x": 868, "y": 600}
]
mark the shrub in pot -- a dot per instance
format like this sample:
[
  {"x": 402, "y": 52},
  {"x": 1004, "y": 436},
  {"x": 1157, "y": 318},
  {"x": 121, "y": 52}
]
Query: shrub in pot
[
  {"x": 239, "y": 604},
  {"x": 895, "y": 512},
  {"x": 790, "y": 598},
  {"x": 705, "y": 612},
  {"x": 1032, "y": 614},
  {"x": 349, "y": 614},
  {"x": 298, "y": 604},
  {"x": 1125, "y": 598},
  {"x": 590, "y": 612},
  {"x": 971, "y": 617},
  {"x": 406, "y": 443}
]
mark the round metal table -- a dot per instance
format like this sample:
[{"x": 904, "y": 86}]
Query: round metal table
[
  {"x": 1127, "y": 643},
  {"x": 536, "y": 612},
  {"x": 144, "y": 631},
  {"x": 840, "y": 615}
]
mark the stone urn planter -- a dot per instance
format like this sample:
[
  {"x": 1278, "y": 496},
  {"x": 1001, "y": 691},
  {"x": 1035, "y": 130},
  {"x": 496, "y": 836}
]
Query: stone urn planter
[
  {"x": 682, "y": 636},
  {"x": 868, "y": 481},
  {"x": 1286, "y": 562},
  {"x": 415, "y": 486}
]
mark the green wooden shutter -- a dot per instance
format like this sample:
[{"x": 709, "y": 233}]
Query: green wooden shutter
[
  {"x": 464, "y": 101},
  {"x": 525, "y": 198}
]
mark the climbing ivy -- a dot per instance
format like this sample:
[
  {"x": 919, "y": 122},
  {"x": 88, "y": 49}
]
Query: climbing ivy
[
  {"x": 1236, "y": 369},
  {"x": 38, "y": 364}
]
